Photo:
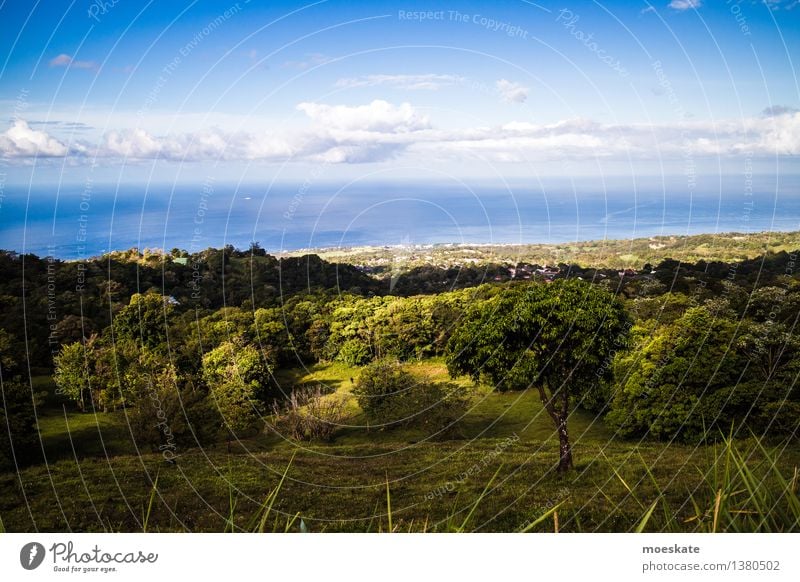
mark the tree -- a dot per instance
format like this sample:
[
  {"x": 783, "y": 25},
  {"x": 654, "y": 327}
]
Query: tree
[
  {"x": 682, "y": 380},
  {"x": 166, "y": 411},
  {"x": 18, "y": 434},
  {"x": 72, "y": 372},
  {"x": 557, "y": 337},
  {"x": 144, "y": 319},
  {"x": 380, "y": 388},
  {"x": 237, "y": 376}
]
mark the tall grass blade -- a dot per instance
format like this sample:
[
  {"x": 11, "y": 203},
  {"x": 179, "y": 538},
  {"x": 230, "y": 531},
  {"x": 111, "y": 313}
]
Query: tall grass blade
[
  {"x": 389, "y": 504},
  {"x": 647, "y": 516},
  {"x": 478, "y": 500},
  {"x": 541, "y": 518},
  {"x": 153, "y": 491},
  {"x": 269, "y": 501}
]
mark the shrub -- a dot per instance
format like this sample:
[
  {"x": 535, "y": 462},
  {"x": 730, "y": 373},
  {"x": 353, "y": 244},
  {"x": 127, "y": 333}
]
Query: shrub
[
  {"x": 18, "y": 434},
  {"x": 703, "y": 373},
  {"x": 666, "y": 384},
  {"x": 237, "y": 377},
  {"x": 781, "y": 418},
  {"x": 354, "y": 352},
  {"x": 165, "y": 415},
  {"x": 309, "y": 414},
  {"x": 390, "y": 396}
]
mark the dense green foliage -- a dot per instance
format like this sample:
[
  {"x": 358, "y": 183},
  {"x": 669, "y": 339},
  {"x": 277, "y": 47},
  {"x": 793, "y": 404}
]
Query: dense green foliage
[
  {"x": 555, "y": 338},
  {"x": 391, "y": 396},
  {"x": 18, "y": 437},
  {"x": 191, "y": 353},
  {"x": 705, "y": 372},
  {"x": 237, "y": 377}
]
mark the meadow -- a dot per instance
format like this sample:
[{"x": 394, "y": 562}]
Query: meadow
[{"x": 497, "y": 474}]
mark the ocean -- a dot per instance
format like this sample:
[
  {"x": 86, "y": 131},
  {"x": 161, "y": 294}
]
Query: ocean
[{"x": 73, "y": 222}]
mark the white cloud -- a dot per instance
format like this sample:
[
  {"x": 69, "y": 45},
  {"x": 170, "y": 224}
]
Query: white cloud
[
  {"x": 774, "y": 110},
  {"x": 22, "y": 141},
  {"x": 782, "y": 135},
  {"x": 582, "y": 138},
  {"x": 135, "y": 143},
  {"x": 213, "y": 144},
  {"x": 511, "y": 92},
  {"x": 380, "y": 116},
  {"x": 685, "y": 4},
  {"x": 64, "y": 60},
  {"x": 381, "y": 131},
  {"x": 429, "y": 81}
]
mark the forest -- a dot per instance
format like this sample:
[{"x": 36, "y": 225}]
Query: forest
[{"x": 211, "y": 361}]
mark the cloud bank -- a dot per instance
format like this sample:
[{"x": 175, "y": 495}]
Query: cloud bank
[
  {"x": 380, "y": 131},
  {"x": 21, "y": 141}
]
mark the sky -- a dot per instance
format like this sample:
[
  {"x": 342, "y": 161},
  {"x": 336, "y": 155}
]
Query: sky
[{"x": 132, "y": 91}]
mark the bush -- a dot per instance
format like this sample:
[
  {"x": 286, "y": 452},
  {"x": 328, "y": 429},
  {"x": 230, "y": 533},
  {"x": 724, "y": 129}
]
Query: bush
[
  {"x": 18, "y": 434},
  {"x": 237, "y": 377},
  {"x": 781, "y": 418},
  {"x": 667, "y": 383},
  {"x": 390, "y": 396},
  {"x": 309, "y": 414},
  {"x": 166, "y": 417},
  {"x": 702, "y": 374},
  {"x": 354, "y": 352}
]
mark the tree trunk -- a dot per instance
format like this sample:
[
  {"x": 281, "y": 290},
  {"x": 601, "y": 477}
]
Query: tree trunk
[
  {"x": 564, "y": 448},
  {"x": 559, "y": 416}
]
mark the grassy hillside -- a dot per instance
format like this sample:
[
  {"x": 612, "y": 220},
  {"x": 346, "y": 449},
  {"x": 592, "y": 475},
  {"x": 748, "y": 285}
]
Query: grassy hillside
[{"x": 496, "y": 475}]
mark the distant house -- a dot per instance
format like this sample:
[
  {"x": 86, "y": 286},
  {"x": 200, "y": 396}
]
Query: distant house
[{"x": 181, "y": 260}]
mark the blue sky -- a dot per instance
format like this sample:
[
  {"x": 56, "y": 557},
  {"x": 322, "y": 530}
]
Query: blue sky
[{"x": 130, "y": 91}]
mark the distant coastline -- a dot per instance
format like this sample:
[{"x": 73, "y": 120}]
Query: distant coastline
[
  {"x": 609, "y": 253},
  {"x": 61, "y": 225},
  {"x": 725, "y": 246}
]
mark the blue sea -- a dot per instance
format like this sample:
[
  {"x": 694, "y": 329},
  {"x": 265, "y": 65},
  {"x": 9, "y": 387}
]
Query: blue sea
[{"x": 76, "y": 221}]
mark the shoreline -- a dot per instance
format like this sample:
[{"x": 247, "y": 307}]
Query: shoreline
[{"x": 728, "y": 246}]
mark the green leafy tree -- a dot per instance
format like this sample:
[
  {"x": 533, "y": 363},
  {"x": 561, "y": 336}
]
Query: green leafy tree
[
  {"x": 238, "y": 379},
  {"x": 72, "y": 372},
  {"x": 354, "y": 352},
  {"x": 676, "y": 380},
  {"x": 144, "y": 319},
  {"x": 555, "y": 337},
  {"x": 18, "y": 434},
  {"x": 380, "y": 388},
  {"x": 164, "y": 412}
]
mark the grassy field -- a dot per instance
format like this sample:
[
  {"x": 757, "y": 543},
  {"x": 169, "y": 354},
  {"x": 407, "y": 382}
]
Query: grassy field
[{"x": 496, "y": 474}]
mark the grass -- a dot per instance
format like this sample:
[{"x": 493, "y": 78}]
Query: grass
[
  {"x": 402, "y": 481},
  {"x": 88, "y": 435},
  {"x": 493, "y": 415}
]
